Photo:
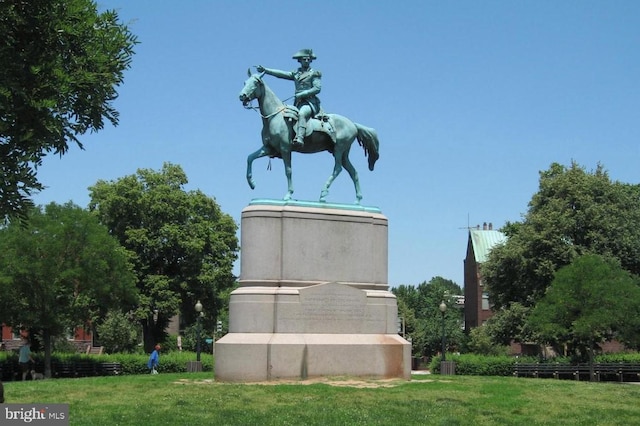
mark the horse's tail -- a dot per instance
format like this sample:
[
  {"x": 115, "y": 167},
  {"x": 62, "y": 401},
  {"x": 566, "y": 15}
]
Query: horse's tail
[{"x": 368, "y": 139}]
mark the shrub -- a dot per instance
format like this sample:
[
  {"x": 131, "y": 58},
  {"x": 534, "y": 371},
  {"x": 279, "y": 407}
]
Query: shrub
[
  {"x": 480, "y": 365},
  {"x": 117, "y": 333},
  {"x": 630, "y": 358},
  {"x": 483, "y": 365},
  {"x": 63, "y": 345},
  {"x": 170, "y": 344},
  {"x": 174, "y": 362},
  {"x": 480, "y": 343},
  {"x": 189, "y": 340}
]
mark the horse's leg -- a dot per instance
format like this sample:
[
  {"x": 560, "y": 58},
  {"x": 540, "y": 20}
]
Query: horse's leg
[
  {"x": 286, "y": 158},
  {"x": 257, "y": 154},
  {"x": 353, "y": 173},
  {"x": 337, "y": 168}
]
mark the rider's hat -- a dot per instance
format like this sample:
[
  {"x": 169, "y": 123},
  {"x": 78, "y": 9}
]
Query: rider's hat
[{"x": 304, "y": 53}]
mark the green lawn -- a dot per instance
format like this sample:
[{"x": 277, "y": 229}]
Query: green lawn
[{"x": 191, "y": 399}]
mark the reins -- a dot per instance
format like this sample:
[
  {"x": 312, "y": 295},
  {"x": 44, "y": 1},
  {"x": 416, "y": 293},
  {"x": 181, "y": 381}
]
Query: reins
[{"x": 266, "y": 117}]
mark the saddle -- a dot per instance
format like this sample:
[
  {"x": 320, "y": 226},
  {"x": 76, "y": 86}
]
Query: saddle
[{"x": 321, "y": 122}]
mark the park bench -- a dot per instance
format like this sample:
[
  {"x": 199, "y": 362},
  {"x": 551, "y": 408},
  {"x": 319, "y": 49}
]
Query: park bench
[
  {"x": 601, "y": 371},
  {"x": 64, "y": 369},
  {"x": 109, "y": 368},
  {"x": 623, "y": 372},
  {"x": 555, "y": 370},
  {"x": 85, "y": 369},
  {"x": 629, "y": 372}
]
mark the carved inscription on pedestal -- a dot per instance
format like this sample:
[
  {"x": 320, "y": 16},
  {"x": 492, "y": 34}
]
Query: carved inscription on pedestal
[{"x": 333, "y": 308}]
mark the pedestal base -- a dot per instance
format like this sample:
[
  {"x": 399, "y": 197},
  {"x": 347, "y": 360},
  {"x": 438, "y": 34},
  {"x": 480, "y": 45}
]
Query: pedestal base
[
  {"x": 256, "y": 357},
  {"x": 313, "y": 297},
  {"x": 324, "y": 330}
]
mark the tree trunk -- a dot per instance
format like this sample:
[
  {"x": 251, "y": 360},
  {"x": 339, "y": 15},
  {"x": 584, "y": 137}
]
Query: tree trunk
[
  {"x": 151, "y": 334},
  {"x": 46, "y": 340},
  {"x": 147, "y": 336}
]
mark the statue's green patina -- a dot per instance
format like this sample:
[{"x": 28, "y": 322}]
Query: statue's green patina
[{"x": 327, "y": 132}]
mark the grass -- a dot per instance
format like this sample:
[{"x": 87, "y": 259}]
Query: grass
[{"x": 189, "y": 399}]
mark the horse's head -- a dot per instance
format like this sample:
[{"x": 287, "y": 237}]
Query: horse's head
[{"x": 253, "y": 87}]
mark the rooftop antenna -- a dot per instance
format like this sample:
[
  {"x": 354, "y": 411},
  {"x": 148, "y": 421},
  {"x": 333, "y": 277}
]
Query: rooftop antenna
[{"x": 468, "y": 224}]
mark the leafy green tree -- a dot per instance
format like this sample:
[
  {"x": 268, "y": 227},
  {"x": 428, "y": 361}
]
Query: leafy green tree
[
  {"x": 509, "y": 324},
  {"x": 590, "y": 301},
  {"x": 190, "y": 338},
  {"x": 480, "y": 342},
  {"x": 183, "y": 245},
  {"x": 407, "y": 318},
  {"x": 421, "y": 307},
  {"x": 61, "y": 64},
  {"x": 117, "y": 333},
  {"x": 59, "y": 271},
  {"x": 574, "y": 212}
]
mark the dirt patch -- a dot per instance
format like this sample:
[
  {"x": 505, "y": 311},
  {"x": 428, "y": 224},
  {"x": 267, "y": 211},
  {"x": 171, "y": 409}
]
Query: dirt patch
[
  {"x": 194, "y": 382},
  {"x": 331, "y": 381}
]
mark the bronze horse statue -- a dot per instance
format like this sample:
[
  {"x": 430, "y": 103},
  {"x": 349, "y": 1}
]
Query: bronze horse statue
[{"x": 328, "y": 132}]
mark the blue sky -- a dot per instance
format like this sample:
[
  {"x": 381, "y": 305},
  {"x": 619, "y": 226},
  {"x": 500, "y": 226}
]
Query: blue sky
[{"x": 471, "y": 99}]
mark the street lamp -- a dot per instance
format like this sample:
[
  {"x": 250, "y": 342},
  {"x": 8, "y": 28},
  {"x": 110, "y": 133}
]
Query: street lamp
[
  {"x": 200, "y": 314},
  {"x": 443, "y": 309}
]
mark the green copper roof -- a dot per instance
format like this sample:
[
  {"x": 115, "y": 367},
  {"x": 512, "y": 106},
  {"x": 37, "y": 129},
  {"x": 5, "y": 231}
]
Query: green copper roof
[{"x": 483, "y": 241}]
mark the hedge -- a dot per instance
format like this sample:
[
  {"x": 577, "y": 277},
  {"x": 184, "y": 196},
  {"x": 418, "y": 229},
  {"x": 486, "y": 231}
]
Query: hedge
[
  {"x": 485, "y": 365},
  {"x": 172, "y": 362},
  {"x": 480, "y": 365}
]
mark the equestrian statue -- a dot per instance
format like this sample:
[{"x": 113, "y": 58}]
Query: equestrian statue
[{"x": 304, "y": 127}]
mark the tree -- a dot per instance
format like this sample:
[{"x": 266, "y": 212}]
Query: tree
[
  {"x": 61, "y": 64},
  {"x": 183, "y": 245},
  {"x": 590, "y": 301},
  {"x": 60, "y": 271},
  {"x": 117, "y": 333},
  {"x": 509, "y": 324},
  {"x": 574, "y": 212},
  {"x": 420, "y": 308}
]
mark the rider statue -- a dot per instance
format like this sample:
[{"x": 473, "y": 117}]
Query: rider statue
[{"x": 308, "y": 85}]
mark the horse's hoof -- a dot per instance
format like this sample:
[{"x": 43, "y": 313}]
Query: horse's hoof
[{"x": 252, "y": 184}]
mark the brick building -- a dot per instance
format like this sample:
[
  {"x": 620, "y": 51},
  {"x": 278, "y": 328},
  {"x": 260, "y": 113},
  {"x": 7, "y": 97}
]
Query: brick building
[{"x": 476, "y": 299}]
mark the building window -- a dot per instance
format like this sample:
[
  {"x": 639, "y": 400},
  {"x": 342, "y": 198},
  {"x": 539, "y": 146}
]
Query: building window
[{"x": 485, "y": 301}]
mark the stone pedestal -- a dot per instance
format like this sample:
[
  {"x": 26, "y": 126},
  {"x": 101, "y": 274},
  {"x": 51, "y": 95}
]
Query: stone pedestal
[{"x": 313, "y": 298}]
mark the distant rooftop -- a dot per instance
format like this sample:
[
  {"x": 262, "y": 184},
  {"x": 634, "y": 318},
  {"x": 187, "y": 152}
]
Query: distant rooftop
[{"x": 483, "y": 240}]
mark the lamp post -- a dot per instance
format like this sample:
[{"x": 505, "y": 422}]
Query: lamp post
[
  {"x": 199, "y": 313},
  {"x": 443, "y": 309}
]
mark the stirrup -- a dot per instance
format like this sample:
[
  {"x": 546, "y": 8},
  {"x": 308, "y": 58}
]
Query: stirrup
[{"x": 297, "y": 142}]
